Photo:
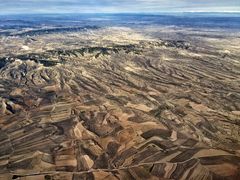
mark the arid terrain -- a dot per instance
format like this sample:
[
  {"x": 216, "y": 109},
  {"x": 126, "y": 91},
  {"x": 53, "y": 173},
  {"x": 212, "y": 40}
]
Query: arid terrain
[{"x": 120, "y": 103}]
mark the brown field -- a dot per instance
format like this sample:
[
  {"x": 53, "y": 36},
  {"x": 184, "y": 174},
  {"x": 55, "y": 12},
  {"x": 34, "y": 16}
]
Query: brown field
[{"x": 120, "y": 103}]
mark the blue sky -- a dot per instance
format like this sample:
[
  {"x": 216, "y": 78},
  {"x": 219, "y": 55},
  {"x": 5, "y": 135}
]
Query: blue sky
[{"x": 116, "y": 6}]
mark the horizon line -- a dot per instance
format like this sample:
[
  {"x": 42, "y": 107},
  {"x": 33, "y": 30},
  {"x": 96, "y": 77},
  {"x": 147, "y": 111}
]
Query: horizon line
[{"x": 150, "y": 13}]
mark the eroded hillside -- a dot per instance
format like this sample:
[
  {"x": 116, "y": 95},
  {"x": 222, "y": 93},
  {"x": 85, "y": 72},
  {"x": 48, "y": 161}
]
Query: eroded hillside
[{"x": 117, "y": 103}]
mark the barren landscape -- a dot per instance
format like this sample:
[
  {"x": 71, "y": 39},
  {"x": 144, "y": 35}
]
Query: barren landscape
[{"x": 120, "y": 102}]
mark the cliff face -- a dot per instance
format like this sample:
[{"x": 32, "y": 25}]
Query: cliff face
[{"x": 130, "y": 108}]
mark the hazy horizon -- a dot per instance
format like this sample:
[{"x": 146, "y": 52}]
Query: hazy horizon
[
  {"x": 117, "y": 6},
  {"x": 227, "y": 13}
]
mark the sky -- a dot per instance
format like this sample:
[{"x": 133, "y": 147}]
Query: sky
[{"x": 116, "y": 6}]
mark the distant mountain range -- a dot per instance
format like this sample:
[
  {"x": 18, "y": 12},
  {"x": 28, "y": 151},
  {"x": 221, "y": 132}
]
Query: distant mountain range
[{"x": 76, "y": 22}]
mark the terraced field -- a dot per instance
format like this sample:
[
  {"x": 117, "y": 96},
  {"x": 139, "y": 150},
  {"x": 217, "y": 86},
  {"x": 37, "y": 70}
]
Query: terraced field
[{"x": 128, "y": 105}]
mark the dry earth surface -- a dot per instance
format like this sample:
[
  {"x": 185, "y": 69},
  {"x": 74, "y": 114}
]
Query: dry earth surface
[{"x": 120, "y": 103}]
